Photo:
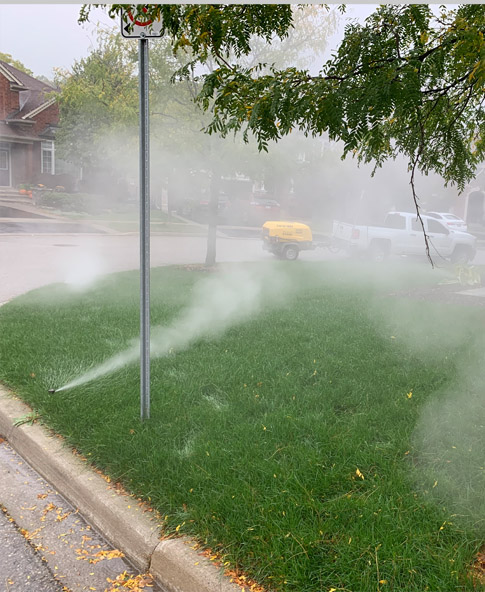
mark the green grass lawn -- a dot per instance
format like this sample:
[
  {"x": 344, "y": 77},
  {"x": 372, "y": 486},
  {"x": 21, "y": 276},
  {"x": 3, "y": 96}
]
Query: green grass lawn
[{"x": 304, "y": 443}]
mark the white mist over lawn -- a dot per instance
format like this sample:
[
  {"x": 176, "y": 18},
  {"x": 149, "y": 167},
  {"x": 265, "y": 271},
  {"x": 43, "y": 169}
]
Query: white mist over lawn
[
  {"x": 449, "y": 444},
  {"x": 83, "y": 268},
  {"x": 218, "y": 303}
]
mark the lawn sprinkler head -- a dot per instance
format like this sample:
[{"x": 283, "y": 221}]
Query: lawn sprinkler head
[{"x": 52, "y": 391}]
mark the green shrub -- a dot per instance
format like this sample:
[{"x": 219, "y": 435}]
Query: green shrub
[{"x": 71, "y": 202}]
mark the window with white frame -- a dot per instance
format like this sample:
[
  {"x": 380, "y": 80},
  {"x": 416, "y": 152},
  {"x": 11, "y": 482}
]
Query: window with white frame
[
  {"x": 3, "y": 160},
  {"x": 47, "y": 157}
]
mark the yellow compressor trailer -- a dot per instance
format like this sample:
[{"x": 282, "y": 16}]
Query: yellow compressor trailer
[{"x": 287, "y": 239}]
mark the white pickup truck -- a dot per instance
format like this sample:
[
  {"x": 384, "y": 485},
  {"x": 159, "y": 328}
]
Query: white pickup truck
[{"x": 402, "y": 234}]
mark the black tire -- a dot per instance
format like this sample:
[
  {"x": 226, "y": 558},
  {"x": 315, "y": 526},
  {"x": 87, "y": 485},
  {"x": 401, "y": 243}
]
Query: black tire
[
  {"x": 291, "y": 252},
  {"x": 461, "y": 254},
  {"x": 378, "y": 251}
]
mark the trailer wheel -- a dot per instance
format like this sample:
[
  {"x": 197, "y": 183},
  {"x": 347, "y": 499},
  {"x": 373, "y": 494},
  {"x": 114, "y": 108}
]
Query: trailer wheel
[{"x": 291, "y": 252}]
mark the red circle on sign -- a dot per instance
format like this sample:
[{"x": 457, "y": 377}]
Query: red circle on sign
[{"x": 140, "y": 23}]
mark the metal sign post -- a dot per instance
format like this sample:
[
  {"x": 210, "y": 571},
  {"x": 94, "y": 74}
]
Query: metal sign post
[
  {"x": 143, "y": 29},
  {"x": 144, "y": 232}
]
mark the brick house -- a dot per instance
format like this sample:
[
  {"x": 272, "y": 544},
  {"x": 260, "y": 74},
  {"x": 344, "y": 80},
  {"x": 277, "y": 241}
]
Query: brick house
[{"x": 28, "y": 118}]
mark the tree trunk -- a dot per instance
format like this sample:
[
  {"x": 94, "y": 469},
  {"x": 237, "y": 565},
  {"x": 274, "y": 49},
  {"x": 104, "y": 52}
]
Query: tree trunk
[{"x": 210, "y": 258}]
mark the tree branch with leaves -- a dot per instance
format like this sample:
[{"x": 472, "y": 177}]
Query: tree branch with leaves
[{"x": 409, "y": 81}]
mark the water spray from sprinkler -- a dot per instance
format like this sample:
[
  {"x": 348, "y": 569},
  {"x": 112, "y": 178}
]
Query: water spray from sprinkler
[{"x": 218, "y": 304}]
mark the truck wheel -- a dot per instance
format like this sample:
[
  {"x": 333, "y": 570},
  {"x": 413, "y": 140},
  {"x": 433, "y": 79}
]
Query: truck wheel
[
  {"x": 461, "y": 254},
  {"x": 291, "y": 252},
  {"x": 378, "y": 252}
]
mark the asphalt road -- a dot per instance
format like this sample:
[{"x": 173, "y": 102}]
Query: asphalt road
[
  {"x": 30, "y": 261},
  {"x": 21, "y": 567},
  {"x": 45, "y": 544}
]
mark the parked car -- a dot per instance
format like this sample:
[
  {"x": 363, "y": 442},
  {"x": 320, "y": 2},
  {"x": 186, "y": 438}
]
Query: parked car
[
  {"x": 202, "y": 207},
  {"x": 199, "y": 209},
  {"x": 450, "y": 219},
  {"x": 402, "y": 234}
]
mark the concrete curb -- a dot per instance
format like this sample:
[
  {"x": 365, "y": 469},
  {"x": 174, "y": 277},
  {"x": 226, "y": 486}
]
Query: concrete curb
[{"x": 172, "y": 562}]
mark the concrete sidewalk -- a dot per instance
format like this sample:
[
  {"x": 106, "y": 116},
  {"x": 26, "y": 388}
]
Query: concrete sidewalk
[{"x": 127, "y": 525}]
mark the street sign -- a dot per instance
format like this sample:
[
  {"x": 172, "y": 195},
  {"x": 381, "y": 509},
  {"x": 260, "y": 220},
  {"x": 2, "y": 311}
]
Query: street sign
[{"x": 139, "y": 28}]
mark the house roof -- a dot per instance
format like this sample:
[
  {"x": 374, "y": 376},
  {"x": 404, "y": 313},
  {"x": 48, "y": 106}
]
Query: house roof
[{"x": 34, "y": 94}]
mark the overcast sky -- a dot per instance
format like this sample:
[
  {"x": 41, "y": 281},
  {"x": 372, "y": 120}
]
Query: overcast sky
[{"x": 47, "y": 36}]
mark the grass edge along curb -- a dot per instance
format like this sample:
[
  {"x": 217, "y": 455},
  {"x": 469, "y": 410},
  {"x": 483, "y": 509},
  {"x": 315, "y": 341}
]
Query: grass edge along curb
[{"x": 172, "y": 562}]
